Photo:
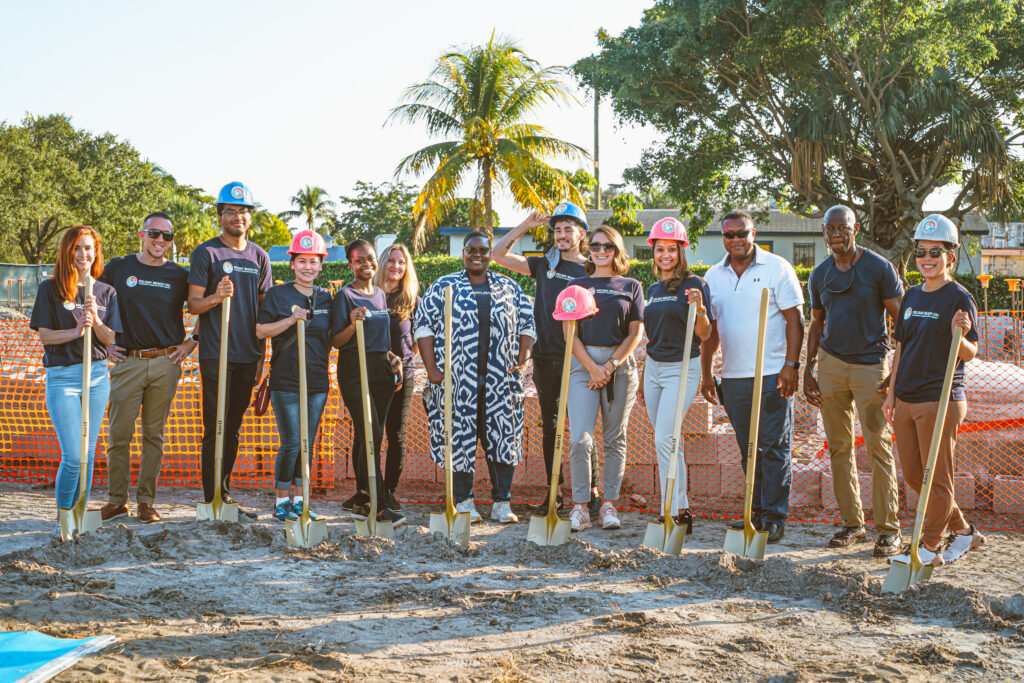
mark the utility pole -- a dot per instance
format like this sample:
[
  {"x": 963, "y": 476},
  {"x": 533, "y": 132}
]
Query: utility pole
[{"x": 597, "y": 165}]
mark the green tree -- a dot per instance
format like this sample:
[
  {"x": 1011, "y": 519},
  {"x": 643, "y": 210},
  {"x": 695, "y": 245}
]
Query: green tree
[
  {"x": 478, "y": 98},
  {"x": 194, "y": 216},
  {"x": 875, "y": 104},
  {"x": 314, "y": 205},
  {"x": 625, "y": 207},
  {"x": 268, "y": 230},
  {"x": 375, "y": 209}
]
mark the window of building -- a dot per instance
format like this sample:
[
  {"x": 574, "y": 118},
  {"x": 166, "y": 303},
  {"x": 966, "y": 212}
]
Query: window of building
[
  {"x": 803, "y": 254},
  {"x": 644, "y": 253}
]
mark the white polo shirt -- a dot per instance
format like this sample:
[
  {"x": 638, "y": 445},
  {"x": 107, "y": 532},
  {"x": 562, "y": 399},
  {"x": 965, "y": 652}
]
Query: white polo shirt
[{"x": 736, "y": 302}]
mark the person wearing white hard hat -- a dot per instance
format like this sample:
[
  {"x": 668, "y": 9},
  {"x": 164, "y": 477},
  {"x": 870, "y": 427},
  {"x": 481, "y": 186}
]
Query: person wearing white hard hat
[
  {"x": 929, "y": 314},
  {"x": 665, "y": 314},
  {"x": 284, "y": 306}
]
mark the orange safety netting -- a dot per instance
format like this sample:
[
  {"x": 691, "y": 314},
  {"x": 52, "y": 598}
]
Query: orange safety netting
[{"x": 989, "y": 462}]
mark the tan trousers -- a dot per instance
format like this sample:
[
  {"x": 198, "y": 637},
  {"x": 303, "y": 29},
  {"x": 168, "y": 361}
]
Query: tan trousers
[
  {"x": 150, "y": 384},
  {"x": 842, "y": 386},
  {"x": 913, "y": 424}
]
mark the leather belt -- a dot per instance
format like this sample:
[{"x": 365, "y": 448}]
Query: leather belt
[{"x": 151, "y": 353}]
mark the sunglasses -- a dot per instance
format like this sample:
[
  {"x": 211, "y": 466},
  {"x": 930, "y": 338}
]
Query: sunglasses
[
  {"x": 602, "y": 246},
  {"x": 476, "y": 251},
  {"x": 156, "y": 234},
  {"x": 737, "y": 235},
  {"x": 934, "y": 252}
]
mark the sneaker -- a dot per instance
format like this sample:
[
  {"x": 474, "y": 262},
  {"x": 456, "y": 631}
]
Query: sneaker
[
  {"x": 847, "y": 536},
  {"x": 737, "y": 524},
  {"x": 579, "y": 518},
  {"x": 111, "y": 511},
  {"x": 502, "y": 512},
  {"x": 285, "y": 511},
  {"x": 594, "y": 506},
  {"x": 932, "y": 557},
  {"x": 392, "y": 503},
  {"x": 297, "y": 509},
  {"x": 541, "y": 509},
  {"x": 355, "y": 501},
  {"x": 469, "y": 505},
  {"x": 609, "y": 520},
  {"x": 959, "y": 544},
  {"x": 776, "y": 532},
  {"x": 396, "y": 518},
  {"x": 147, "y": 513},
  {"x": 361, "y": 511},
  {"x": 887, "y": 545}
]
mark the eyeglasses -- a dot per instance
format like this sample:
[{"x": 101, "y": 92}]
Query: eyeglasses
[
  {"x": 737, "y": 235},
  {"x": 934, "y": 252},
  {"x": 231, "y": 213},
  {"x": 838, "y": 229},
  {"x": 601, "y": 246},
  {"x": 476, "y": 251},
  {"x": 156, "y": 234}
]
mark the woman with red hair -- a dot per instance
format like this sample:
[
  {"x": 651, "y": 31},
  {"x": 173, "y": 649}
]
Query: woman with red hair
[{"x": 60, "y": 315}]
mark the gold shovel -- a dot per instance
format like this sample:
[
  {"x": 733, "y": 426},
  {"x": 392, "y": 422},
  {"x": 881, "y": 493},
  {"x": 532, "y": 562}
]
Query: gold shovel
[
  {"x": 217, "y": 509},
  {"x": 669, "y": 536},
  {"x": 303, "y": 532},
  {"x": 552, "y": 529},
  {"x": 369, "y": 526},
  {"x": 452, "y": 524},
  {"x": 77, "y": 519},
  {"x": 902, "y": 575},
  {"x": 750, "y": 542}
]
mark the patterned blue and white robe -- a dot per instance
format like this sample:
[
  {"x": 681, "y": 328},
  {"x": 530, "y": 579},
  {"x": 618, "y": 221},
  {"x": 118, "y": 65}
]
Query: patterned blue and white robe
[{"x": 511, "y": 317}]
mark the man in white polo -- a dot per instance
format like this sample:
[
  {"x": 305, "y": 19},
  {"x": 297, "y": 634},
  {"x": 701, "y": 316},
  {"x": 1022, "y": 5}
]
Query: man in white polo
[{"x": 735, "y": 284}]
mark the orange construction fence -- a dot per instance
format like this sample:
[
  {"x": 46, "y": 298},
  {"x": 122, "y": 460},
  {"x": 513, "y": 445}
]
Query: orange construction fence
[{"x": 989, "y": 464}]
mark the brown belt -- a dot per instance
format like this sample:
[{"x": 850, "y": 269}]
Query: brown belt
[{"x": 151, "y": 353}]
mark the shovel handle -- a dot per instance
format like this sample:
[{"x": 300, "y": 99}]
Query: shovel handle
[
  {"x": 677, "y": 424},
  {"x": 300, "y": 332},
  {"x": 448, "y": 466},
  {"x": 563, "y": 395},
  {"x": 222, "y": 377},
  {"x": 755, "y": 414},
  {"x": 83, "y": 454},
  {"x": 364, "y": 385}
]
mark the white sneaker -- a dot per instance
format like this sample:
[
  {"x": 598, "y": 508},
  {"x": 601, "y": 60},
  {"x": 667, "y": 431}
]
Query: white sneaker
[
  {"x": 502, "y": 512},
  {"x": 960, "y": 543},
  {"x": 926, "y": 556},
  {"x": 609, "y": 520},
  {"x": 469, "y": 505},
  {"x": 579, "y": 518}
]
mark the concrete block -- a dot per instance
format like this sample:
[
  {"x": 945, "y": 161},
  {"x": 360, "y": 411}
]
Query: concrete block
[
  {"x": 704, "y": 482},
  {"x": 1008, "y": 495},
  {"x": 828, "y": 491},
  {"x": 698, "y": 418},
  {"x": 728, "y": 449},
  {"x": 963, "y": 489},
  {"x": 806, "y": 486},
  {"x": 733, "y": 480},
  {"x": 701, "y": 450}
]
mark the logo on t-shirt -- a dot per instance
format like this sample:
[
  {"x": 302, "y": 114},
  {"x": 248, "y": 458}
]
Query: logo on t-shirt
[
  {"x": 568, "y": 305},
  {"x": 237, "y": 192},
  {"x": 909, "y": 312},
  {"x": 227, "y": 264},
  {"x": 592, "y": 290},
  {"x": 69, "y": 305},
  {"x": 132, "y": 281}
]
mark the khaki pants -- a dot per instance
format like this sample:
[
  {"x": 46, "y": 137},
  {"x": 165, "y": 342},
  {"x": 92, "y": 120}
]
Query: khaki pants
[
  {"x": 913, "y": 424},
  {"x": 842, "y": 386},
  {"x": 148, "y": 383}
]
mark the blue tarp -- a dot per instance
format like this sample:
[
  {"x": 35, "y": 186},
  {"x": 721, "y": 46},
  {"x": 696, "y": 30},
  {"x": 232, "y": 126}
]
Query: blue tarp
[{"x": 30, "y": 656}]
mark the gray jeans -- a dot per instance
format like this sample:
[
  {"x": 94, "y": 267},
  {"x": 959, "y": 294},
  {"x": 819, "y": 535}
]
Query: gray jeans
[
  {"x": 584, "y": 406},
  {"x": 661, "y": 384}
]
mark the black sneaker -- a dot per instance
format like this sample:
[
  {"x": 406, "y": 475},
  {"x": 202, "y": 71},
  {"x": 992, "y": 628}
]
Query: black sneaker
[
  {"x": 392, "y": 502},
  {"x": 847, "y": 536},
  {"x": 775, "y": 531},
  {"x": 361, "y": 511},
  {"x": 887, "y": 545},
  {"x": 359, "y": 498},
  {"x": 242, "y": 511},
  {"x": 396, "y": 518},
  {"x": 737, "y": 524},
  {"x": 541, "y": 509}
]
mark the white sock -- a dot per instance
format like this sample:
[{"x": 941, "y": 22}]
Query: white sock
[
  {"x": 281, "y": 500},
  {"x": 297, "y": 501}
]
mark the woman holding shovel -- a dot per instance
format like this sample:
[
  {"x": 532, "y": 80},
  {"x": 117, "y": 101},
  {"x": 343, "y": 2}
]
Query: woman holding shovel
[
  {"x": 928, "y": 316},
  {"x": 668, "y": 301},
  {"x": 61, "y": 315},
  {"x": 283, "y": 307},
  {"x": 362, "y": 300}
]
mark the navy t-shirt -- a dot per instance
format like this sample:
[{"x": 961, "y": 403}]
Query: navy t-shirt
[
  {"x": 284, "y": 366},
  {"x": 150, "y": 301},
  {"x": 665, "y": 319},
  {"x": 402, "y": 343},
  {"x": 924, "y": 329},
  {"x": 855, "y": 319},
  {"x": 620, "y": 301},
  {"x": 64, "y": 315},
  {"x": 249, "y": 270},
  {"x": 548, "y": 285},
  {"x": 483, "y": 307},
  {"x": 376, "y": 327}
]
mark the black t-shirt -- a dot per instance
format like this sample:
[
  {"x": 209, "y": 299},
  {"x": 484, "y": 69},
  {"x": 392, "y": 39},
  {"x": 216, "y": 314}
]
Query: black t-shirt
[
  {"x": 665, "y": 319},
  {"x": 620, "y": 301},
  {"x": 402, "y": 343},
  {"x": 376, "y": 327},
  {"x": 249, "y": 270},
  {"x": 284, "y": 365},
  {"x": 924, "y": 330},
  {"x": 483, "y": 305},
  {"x": 64, "y": 315},
  {"x": 855, "y": 319},
  {"x": 150, "y": 301},
  {"x": 548, "y": 285}
]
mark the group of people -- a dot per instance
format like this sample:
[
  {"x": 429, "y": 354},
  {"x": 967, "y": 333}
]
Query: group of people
[{"x": 497, "y": 333}]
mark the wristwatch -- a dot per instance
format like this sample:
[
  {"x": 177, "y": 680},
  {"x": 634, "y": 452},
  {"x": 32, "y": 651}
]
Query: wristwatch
[
  {"x": 795, "y": 366},
  {"x": 616, "y": 363}
]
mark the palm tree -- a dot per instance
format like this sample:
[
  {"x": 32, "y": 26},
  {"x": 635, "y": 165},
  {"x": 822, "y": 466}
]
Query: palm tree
[
  {"x": 478, "y": 100},
  {"x": 313, "y": 204}
]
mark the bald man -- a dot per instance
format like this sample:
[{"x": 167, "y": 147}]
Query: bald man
[{"x": 851, "y": 291}]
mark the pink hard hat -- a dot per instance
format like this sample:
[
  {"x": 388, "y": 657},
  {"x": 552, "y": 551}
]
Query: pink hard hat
[
  {"x": 574, "y": 303},
  {"x": 669, "y": 229},
  {"x": 308, "y": 242}
]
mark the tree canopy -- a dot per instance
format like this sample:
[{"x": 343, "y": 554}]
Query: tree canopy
[
  {"x": 313, "y": 204},
  {"x": 875, "y": 104},
  {"x": 375, "y": 209}
]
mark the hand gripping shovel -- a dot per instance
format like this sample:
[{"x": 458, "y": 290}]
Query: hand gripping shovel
[
  {"x": 217, "y": 509},
  {"x": 750, "y": 542},
  {"x": 552, "y": 529},
  {"x": 452, "y": 524},
  {"x": 77, "y": 519},
  {"x": 669, "y": 536},
  {"x": 901, "y": 575},
  {"x": 303, "y": 532},
  {"x": 369, "y": 526}
]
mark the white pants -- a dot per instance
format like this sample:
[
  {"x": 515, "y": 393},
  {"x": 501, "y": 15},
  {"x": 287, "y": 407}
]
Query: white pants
[{"x": 661, "y": 384}]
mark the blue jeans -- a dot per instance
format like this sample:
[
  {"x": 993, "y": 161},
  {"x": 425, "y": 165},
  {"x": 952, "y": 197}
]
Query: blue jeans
[
  {"x": 773, "y": 475},
  {"x": 288, "y": 468},
  {"x": 64, "y": 404}
]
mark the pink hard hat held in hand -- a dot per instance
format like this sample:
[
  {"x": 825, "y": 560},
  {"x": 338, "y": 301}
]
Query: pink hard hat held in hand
[
  {"x": 308, "y": 242},
  {"x": 574, "y": 303},
  {"x": 669, "y": 229}
]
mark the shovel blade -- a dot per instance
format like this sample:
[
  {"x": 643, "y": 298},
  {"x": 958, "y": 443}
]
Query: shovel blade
[
  {"x": 548, "y": 531},
  {"x": 305, "y": 536},
  {"x": 456, "y": 530},
  {"x": 902, "y": 576},
  {"x": 90, "y": 520},
  {"x": 746, "y": 544},
  {"x": 667, "y": 541},
  {"x": 382, "y": 529},
  {"x": 209, "y": 512}
]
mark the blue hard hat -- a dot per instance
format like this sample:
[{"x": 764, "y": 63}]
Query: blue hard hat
[
  {"x": 571, "y": 210},
  {"x": 236, "y": 193}
]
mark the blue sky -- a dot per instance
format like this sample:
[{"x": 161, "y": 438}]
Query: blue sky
[{"x": 278, "y": 94}]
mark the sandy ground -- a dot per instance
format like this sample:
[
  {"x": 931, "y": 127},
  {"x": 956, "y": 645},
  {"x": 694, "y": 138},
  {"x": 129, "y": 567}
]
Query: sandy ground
[{"x": 215, "y": 602}]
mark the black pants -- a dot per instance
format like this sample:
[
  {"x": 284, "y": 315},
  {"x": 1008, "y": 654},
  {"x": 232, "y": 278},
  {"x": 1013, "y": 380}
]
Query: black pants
[
  {"x": 381, "y": 381},
  {"x": 394, "y": 427},
  {"x": 547, "y": 378},
  {"x": 240, "y": 380}
]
